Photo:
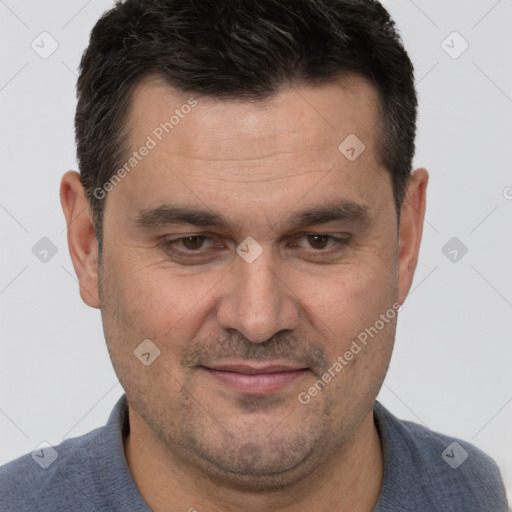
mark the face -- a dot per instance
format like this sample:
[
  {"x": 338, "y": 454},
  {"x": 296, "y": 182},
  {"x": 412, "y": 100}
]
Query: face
[{"x": 246, "y": 326}]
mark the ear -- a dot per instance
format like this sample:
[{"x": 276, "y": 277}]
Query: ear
[
  {"x": 411, "y": 229},
  {"x": 83, "y": 247}
]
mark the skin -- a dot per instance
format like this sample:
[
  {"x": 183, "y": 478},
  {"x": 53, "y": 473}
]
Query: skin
[{"x": 194, "y": 440}]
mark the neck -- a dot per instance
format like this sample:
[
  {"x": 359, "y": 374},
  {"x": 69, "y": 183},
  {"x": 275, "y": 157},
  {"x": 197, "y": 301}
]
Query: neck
[{"x": 349, "y": 481}]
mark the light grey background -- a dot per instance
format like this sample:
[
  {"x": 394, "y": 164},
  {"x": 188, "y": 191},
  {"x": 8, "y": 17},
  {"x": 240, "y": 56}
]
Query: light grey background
[{"x": 451, "y": 366}]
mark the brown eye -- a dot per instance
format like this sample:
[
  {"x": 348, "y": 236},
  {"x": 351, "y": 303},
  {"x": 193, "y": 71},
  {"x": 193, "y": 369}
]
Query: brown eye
[
  {"x": 194, "y": 249},
  {"x": 318, "y": 241},
  {"x": 321, "y": 243},
  {"x": 193, "y": 243}
]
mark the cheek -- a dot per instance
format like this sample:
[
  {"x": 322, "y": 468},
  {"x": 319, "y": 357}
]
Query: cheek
[
  {"x": 356, "y": 320},
  {"x": 143, "y": 303},
  {"x": 158, "y": 304},
  {"x": 347, "y": 302}
]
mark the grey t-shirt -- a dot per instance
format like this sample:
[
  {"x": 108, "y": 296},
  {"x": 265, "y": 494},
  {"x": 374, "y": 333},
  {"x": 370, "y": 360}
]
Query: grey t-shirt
[{"x": 423, "y": 472}]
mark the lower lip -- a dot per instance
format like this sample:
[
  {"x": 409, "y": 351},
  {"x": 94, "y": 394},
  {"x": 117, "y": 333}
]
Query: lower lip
[{"x": 257, "y": 383}]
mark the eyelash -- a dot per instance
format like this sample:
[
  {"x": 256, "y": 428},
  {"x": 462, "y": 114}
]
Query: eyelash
[{"x": 169, "y": 245}]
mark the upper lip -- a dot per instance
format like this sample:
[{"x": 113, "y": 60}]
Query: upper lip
[{"x": 255, "y": 368}]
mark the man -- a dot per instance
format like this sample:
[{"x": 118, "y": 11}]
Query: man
[{"x": 247, "y": 222}]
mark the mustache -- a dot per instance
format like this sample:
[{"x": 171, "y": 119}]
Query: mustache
[{"x": 285, "y": 347}]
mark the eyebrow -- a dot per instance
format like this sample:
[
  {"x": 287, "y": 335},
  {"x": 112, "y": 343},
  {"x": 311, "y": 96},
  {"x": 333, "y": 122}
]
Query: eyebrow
[{"x": 344, "y": 210}]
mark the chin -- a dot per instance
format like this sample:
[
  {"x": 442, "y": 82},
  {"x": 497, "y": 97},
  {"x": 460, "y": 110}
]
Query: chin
[
  {"x": 263, "y": 476},
  {"x": 258, "y": 459}
]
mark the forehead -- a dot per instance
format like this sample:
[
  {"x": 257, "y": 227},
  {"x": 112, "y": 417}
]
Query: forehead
[
  {"x": 295, "y": 119},
  {"x": 211, "y": 150}
]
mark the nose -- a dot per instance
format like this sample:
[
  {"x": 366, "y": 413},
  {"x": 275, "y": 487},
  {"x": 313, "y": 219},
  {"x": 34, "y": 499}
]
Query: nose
[{"x": 257, "y": 301}]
